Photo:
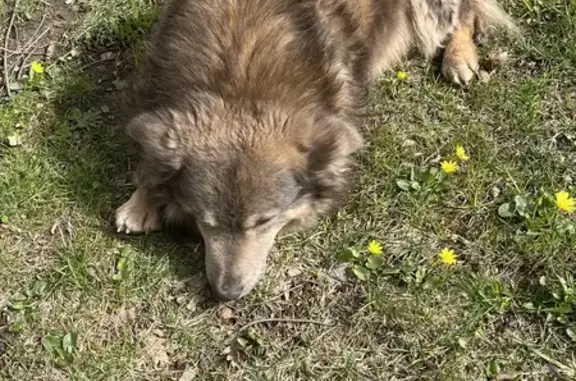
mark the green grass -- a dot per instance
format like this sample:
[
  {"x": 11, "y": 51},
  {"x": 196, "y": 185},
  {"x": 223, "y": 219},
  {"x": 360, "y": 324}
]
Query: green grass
[{"x": 505, "y": 310}]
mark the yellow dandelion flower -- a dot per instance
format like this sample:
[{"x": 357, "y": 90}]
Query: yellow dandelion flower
[
  {"x": 565, "y": 202},
  {"x": 375, "y": 248},
  {"x": 37, "y": 67},
  {"x": 461, "y": 153},
  {"x": 448, "y": 257},
  {"x": 402, "y": 75},
  {"x": 449, "y": 166}
]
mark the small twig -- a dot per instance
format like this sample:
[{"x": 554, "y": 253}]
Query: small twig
[
  {"x": 280, "y": 320},
  {"x": 21, "y": 68},
  {"x": 6, "y": 39},
  {"x": 235, "y": 342},
  {"x": 10, "y": 51},
  {"x": 89, "y": 64},
  {"x": 31, "y": 41}
]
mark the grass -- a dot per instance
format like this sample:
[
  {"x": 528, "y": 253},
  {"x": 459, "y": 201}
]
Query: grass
[{"x": 505, "y": 311}]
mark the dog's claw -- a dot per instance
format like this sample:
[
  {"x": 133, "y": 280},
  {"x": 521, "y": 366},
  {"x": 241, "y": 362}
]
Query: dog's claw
[
  {"x": 137, "y": 216},
  {"x": 460, "y": 63},
  {"x": 460, "y": 70},
  {"x": 460, "y": 73}
]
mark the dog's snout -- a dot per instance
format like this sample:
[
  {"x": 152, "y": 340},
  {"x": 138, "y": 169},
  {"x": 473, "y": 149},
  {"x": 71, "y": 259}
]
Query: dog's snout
[
  {"x": 226, "y": 293},
  {"x": 234, "y": 263}
]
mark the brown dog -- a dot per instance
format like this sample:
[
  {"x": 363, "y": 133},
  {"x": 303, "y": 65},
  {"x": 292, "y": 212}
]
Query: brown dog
[{"x": 246, "y": 112}]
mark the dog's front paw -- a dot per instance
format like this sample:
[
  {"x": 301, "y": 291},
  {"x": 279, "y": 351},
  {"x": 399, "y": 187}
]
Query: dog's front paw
[
  {"x": 460, "y": 62},
  {"x": 137, "y": 215}
]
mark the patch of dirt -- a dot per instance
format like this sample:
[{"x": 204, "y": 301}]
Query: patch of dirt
[{"x": 32, "y": 38}]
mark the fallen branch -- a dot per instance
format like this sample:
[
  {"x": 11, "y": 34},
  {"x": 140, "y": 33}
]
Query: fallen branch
[
  {"x": 280, "y": 320},
  {"x": 90, "y": 64},
  {"x": 6, "y": 39},
  {"x": 233, "y": 348}
]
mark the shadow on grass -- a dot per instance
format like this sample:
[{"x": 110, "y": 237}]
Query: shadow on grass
[{"x": 89, "y": 141}]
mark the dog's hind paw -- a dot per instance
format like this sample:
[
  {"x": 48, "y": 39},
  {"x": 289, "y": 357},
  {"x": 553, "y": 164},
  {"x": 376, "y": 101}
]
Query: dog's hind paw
[
  {"x": 137, "y": 215},
  {"x": 460, "y": 61}
]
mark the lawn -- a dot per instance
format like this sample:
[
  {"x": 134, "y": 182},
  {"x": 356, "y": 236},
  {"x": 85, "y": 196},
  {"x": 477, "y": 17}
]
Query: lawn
[{"x": 79, "y": 302}]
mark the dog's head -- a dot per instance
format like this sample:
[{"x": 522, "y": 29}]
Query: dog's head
[{"x": 243, "y": 175}]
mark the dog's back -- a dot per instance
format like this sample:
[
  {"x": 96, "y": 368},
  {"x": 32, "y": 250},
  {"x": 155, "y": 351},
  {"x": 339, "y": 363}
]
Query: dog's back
[
  {"x": 288, "y": 52},
  {"x": 293, "y": 52}
]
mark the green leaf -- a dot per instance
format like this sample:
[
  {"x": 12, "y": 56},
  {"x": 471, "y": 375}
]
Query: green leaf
[
  {"x": 529, "y": 306},
  {"x": 17, "y": 326},
  {"x": 506, "y": 211},
  {"x": 255, "y": 337},
  {"x": 492, "y": 369},
  {"x": 565, "y": 287},
  {"x": 374, "y": 262},
  {"x": 347, "y": 255},
  {"x": 571, "y": 332},
  {"x": 122, "y": 268},
  {"x": 416, "y": 185},
  {"x": 121, "y": 264},
  {"x": 74, "y": 113},
  {"x": 69, "y": 342},
  {"x": 521, "y": 205},
  {"x": 562, "y": 309},
  {"x": 420, "y": 274},
  {"x": 39, "y": 287},
  {"x": 18, "y": 305},
  {"x": 389, "y": 271},
  {"x": 403, "y": 184},
  {"x": 51, "y": 344},
  {"x": 360, "y": 272},
  {"x": 4, "y": 219}
]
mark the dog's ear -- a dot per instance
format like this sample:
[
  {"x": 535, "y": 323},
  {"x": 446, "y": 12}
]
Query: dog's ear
[
  {"x": 159, "y": 144},
  {"x": 334, "y": 140},
  {"x": 329, "y": 160}
]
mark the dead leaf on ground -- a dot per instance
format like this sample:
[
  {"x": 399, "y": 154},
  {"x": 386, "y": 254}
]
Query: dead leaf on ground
[
  {"x": 127, "y": 315},
  {"x": 294, "y": 271},
  {"x": 156, "y": 348},
  {"x": 189, "y": 374},
  {"x": 14, "y": 141}
]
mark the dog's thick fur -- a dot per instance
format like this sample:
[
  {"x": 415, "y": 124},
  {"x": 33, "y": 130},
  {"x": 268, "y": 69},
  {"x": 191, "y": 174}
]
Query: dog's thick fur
[{"x": 247, "y": 112}]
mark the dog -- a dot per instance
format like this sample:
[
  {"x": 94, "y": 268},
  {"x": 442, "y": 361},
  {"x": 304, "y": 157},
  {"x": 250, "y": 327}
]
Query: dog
[{"x": 247, "y": 112}]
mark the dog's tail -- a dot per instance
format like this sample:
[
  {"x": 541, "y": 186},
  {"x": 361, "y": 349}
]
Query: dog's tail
[{"x": 491, "y": 14}]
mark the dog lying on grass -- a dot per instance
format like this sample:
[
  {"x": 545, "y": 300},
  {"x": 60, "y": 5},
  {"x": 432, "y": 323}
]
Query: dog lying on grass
[{"x": 246, "y": 112}]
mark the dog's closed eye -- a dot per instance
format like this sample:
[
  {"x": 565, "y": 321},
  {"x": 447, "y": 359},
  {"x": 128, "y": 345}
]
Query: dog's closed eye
[
  {"x": 259, "y": 221},
  {"x": 263, "y": 221}
]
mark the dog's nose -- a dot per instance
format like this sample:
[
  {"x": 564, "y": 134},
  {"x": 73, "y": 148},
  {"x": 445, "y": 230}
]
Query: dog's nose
[{"x": 226, "y": 294}]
